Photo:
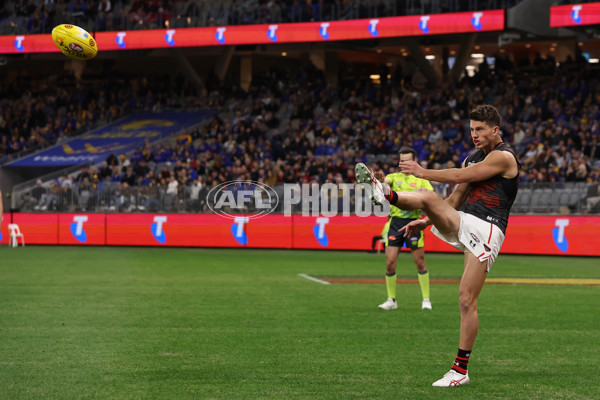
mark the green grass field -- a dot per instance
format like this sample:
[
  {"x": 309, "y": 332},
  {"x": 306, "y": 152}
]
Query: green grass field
[{"x": 150, "y": 323}]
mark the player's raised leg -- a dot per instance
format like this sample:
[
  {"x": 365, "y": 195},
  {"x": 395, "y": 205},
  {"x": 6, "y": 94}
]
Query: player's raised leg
[
  {"x": 445, "y": 217},
  {"x": 378, "y": 190}
]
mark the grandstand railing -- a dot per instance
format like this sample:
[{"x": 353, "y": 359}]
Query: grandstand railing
[{"x": 561, "y": 198}]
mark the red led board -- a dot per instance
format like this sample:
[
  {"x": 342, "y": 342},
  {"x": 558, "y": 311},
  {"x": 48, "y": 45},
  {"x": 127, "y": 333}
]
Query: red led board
[
  {"x": 415, "y": 25},
  {"x": 551, "y": 235},
  {"x": 194, "y": 230},
  {"x": 37, "y": 228},
  {"x": 83, "y": 229},
  {"x": 575, "y": 15},
  {"x": 336, "y": 233}
]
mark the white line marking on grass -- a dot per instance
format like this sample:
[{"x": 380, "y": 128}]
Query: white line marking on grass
[{"x": 310, "y": 278}]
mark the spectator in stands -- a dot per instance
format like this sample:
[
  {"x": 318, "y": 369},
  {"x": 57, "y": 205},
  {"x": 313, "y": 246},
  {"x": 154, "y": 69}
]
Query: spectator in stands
[
  {"x": 66, "y": 182},
  {"x": 84, "y": 173},
  {"x": 195, "y": 189},
  {"x": 51, "y": 199},
  {"x": 171, "y": 193},
  {"x": 33, "y": 197},
  {"x": 124, "y": 197},
  {"x": 150, "y": 196},
  {"x": 129, "y": 176},
  {"x": 104, "y": 172},
  {"x": 85, "y": 193}
]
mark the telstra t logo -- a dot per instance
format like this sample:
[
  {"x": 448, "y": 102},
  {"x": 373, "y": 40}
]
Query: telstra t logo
[
  {"x": 77, "y": 228},
  {"x": 558, "y": 234},
  {"x": 120, "y": 39},
  {"x": 220, "y": 35},
  {"x": 319, "y": 231},
  {"x": 237, "y": 229},
  {"x": 575, "y": 14},
  {"x": 423, "y": 24},
  {"x": 169, "y": 37},
  {"x": 271, "y": 32},
  {"x": 19, "y": 43},
  {"x": 476, "y": 20},
  {"x": 373, "y": 27},
  {"x": 157, "y": 229},
  {"x": 323, "y": 30}
]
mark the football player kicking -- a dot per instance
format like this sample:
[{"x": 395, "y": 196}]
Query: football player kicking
[{"x": 488, "y": 182}]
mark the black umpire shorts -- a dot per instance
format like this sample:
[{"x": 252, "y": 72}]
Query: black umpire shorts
[{"x": 397, "y": 239}]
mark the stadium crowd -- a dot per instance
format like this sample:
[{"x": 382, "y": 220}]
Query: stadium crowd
[
  {"x": 38, "y": 111},
  {"x": 40, "y": 16},
  {"x": 295, "y": 127}
]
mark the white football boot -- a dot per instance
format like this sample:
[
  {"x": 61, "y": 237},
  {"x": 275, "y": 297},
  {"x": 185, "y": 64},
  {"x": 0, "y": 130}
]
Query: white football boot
[
  {"x": 390, "y": 304},
  {"x": 426, "y": 304},
  {"x": 453, "y": 378},
  {"x": 363, "y": 175}
]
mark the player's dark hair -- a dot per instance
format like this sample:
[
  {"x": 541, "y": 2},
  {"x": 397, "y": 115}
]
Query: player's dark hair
[
  {"x": 488, "y": 114},
  {"x": 408, "y": 150}
]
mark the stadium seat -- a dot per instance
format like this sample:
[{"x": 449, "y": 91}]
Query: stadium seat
[
  {"x": 523, "y": 201},
  {"x": 381, "y": 157},
  {"x": 575, "y": 195},
  {"x": 168, "y": 202},
  {"x": 542, "y": 200},
  {"x": 15, "y": 233},
  {"x": 563, "y": 197}
]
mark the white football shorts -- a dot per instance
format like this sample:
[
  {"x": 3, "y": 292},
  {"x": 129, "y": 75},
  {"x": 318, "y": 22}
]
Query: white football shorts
[{"x": 480, "y": 237}]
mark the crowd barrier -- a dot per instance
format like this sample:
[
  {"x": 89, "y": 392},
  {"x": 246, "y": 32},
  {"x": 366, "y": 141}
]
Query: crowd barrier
[{"x": 551, "y": 235}]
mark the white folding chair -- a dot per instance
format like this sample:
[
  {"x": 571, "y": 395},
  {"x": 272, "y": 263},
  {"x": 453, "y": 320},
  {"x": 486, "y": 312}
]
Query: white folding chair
[{"x": 14, "y": 235}]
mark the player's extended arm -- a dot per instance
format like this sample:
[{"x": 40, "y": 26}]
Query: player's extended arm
[{"x": 496, "y": 163}]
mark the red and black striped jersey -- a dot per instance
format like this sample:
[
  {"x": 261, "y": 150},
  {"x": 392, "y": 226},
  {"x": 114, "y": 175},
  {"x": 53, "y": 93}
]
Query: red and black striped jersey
[{"x": 491, "y": 199}]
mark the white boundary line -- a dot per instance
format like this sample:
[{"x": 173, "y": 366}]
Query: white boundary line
[{"x": 310, "y": 278}]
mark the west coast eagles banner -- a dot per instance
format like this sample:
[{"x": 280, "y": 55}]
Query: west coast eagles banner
[{"x": 116, "y": 138}]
